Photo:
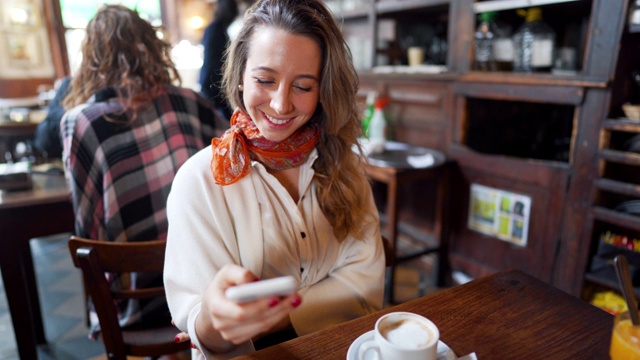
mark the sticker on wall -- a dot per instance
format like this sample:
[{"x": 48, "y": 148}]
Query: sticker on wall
[{"x": 499, "y": 213}]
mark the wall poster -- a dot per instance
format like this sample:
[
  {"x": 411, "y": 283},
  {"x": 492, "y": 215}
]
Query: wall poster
[{"x": 499, "y": 213}]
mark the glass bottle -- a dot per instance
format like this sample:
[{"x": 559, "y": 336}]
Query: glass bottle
[
  {"x": 533, "y": 43},
  {"x": 483, "y": 43},
  {"x": 634, "y": 14},
  {"x": 503, "y": 47}
]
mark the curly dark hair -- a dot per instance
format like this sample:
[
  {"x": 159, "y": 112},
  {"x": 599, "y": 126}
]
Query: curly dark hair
[{"x": 122, "y": 50}]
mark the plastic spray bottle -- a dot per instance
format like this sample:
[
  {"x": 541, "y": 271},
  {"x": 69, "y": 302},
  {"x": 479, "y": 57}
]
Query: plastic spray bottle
[{"x": 378, "y": 124}]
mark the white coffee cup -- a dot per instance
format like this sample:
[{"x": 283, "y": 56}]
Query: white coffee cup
[{"x": 402, "y": 335}]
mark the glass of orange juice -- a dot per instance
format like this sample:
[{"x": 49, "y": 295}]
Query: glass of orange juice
[{"x": 625, "y": 339}]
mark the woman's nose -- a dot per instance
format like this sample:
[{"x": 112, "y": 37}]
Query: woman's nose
[{"x": 281, "y": 101}]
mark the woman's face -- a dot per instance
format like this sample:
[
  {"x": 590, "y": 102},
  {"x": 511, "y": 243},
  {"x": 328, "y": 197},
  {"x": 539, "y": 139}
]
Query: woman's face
[{"x": 281, "y": 82}]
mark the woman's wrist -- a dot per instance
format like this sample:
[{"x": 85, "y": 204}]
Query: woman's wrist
[{"x": 209, "y": 338}]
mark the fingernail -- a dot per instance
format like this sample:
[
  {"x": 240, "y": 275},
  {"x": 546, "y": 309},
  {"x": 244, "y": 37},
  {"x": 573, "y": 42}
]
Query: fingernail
[
  {"x": 176, "y": 339},
  {"x": 193, "y": 346},
  {"x": 296, "y": 301},
  {"x": 273, "y": 302}
]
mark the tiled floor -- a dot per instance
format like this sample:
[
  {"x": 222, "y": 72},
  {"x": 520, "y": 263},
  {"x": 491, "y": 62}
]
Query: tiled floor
[{"x": 62, "y": 302}]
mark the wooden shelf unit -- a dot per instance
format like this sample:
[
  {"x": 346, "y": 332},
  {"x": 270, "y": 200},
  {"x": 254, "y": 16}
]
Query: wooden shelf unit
[
  {"x": 447, "y": 111},
  {"x": 609, "y": 188}
]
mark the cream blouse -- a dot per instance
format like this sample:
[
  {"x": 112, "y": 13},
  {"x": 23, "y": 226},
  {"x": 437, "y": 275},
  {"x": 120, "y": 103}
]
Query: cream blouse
[{"x": 255, "y": 223}]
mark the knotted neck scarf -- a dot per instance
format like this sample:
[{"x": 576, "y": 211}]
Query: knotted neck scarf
[{"x": 243, "y": 142}]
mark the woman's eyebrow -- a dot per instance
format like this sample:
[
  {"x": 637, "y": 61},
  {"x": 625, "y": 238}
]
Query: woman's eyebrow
[
  {"x": 305, "y": 76},
  {"x": 270, "y": 70}
]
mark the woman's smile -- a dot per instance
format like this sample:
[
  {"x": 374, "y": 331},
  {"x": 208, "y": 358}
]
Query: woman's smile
[{"x": 278, "y": 121}]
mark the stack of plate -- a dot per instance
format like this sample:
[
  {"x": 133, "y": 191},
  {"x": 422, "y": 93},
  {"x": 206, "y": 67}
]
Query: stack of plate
[
  {"x": 629, "y": 207},
  {"x": 633, "y": 144}
]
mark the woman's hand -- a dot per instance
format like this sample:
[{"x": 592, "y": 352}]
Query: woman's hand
[
  {"x": 222, "y": 323},
  {"x": 182, "y": 337}
]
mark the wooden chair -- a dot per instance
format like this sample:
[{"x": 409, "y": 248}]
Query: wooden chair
[
  {"x": 389, "y": 256},
  {"x": 95, "y": 258}
]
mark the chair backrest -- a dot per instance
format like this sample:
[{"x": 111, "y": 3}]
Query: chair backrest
[
  {"x": 389, "y": 251},
  {"x": 95, "y": 258}
]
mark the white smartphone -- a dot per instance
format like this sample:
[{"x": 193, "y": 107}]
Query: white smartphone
[{"x": 280, "y": 286}]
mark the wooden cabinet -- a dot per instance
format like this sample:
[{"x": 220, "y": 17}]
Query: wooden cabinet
[
  {"x": 419, "y": 110},
  {"x": 534, "y": 134},
  {"x": 380, "y": 32},
  {"x": 556, "y": 121},
  {"x": 616, "y": 222},
  {"x": 616, "y": 188}
]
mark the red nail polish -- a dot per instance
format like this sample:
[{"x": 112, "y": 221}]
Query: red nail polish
[
  {"x": 176, "y": 339},
  {"x": 273, "y": 302},
  {"x": 296, "y": 301},
  {"x": 193, "y": 346}
]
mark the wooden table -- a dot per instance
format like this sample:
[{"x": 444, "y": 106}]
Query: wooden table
[
  {"x": 509, "y": 315},
  {"x": 44, "y": 210},
  {"x": 13, "y": 128}
]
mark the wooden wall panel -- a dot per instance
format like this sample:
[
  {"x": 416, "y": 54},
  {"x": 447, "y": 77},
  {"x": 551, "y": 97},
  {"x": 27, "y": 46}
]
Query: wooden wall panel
[
  {"x": 478, "y": 254},
  {"x": 419, "y": 111}
]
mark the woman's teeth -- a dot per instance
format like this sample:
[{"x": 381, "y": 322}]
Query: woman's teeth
[{"x": 276, "y": 121}]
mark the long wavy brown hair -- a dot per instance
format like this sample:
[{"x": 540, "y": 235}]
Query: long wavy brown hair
[
  {"x": 343, "y": 188},
  {"x": 122, "y": 50}
]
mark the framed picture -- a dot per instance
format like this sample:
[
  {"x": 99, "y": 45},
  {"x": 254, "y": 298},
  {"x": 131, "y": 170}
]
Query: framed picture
[
  {"x": 24, "y": 44},
  {"x": 20, "y": 14},
  {"x": 24, "y": 50}
]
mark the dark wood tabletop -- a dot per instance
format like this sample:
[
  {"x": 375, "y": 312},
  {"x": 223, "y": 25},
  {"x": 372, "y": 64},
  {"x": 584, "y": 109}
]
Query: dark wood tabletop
[
  {"x": 43, "y": 210},
  {"x": 14, "y": 128},
  {"x": 509, "y": 315}
]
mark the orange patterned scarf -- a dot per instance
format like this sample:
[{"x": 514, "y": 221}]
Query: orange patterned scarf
[{"x": 234, "y": 150}]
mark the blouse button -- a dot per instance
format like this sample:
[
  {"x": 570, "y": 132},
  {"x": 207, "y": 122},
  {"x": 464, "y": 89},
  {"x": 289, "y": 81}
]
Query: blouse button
[{"x": 303, "y": 235}]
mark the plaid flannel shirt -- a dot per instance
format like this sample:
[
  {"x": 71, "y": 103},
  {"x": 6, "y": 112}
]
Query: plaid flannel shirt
[{"x": 120, "y": 171}]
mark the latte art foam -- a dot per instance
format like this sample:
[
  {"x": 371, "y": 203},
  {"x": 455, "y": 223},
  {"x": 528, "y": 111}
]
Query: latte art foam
[{"x": 407, "y": 333}]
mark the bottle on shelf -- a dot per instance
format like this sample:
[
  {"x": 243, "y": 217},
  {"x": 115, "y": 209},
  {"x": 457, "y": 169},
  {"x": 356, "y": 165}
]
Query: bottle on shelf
[
  {"x": 368, "y": 112},
  {"x": 503, "y": 47},
  {"x": 378, "y": 124},
  {"x": 533, "y": 43},
  {"x": 634, "y": 15},
  {"x": 483, "y": 42}
]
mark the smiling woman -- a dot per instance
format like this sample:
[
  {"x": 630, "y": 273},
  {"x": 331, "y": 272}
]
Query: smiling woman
[{"x": 281, "y": 193}]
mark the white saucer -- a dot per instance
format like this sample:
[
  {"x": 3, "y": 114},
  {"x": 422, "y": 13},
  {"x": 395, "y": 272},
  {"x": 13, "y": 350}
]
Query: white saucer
[{"x": 444, "y": 352}]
